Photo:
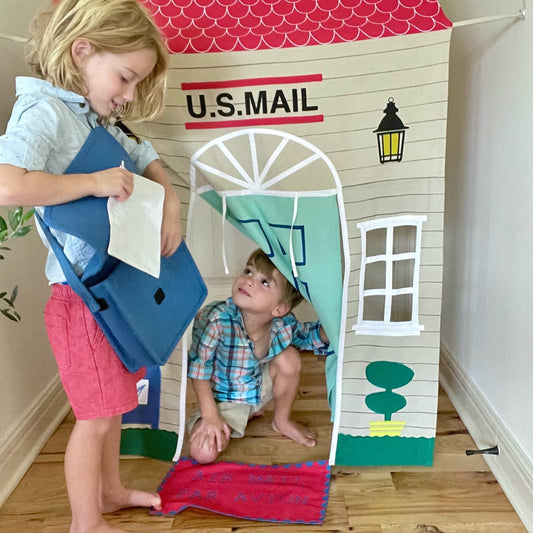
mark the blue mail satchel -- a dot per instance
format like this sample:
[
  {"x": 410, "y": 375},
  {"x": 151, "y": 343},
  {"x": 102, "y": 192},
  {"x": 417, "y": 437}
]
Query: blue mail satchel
[{"x": 142, "y": 317}]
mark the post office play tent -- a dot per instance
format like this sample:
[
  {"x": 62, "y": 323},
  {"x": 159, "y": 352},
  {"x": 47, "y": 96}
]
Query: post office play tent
[{"x": 317, "y": 129}]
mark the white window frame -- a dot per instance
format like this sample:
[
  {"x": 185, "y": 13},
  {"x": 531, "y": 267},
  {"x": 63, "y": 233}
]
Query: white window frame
[{"x": 385, "y": 326}]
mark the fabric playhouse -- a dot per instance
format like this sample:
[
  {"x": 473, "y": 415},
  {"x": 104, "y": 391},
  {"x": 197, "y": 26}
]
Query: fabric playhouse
[{"x": 317, "y": 129}]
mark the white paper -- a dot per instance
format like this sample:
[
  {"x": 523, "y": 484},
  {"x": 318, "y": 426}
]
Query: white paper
[{"x": 135, "y": 226}]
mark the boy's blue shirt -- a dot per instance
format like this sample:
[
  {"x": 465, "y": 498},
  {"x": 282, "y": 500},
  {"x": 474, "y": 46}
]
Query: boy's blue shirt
[
  {"x": 47, "y": 128},
  {"x": 222, "y": 351}
]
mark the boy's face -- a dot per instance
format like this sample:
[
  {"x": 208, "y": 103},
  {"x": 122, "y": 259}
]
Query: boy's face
[
  {"x": 111, "y": 79},
  {"x": 253, "y": 291}
]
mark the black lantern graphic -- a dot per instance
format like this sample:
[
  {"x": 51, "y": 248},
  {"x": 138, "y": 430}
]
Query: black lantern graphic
[{"x": 391, "y": 134}]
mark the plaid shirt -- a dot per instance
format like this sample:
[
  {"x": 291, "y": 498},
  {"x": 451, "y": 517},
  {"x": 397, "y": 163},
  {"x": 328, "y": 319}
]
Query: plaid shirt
[{"x": 222, "y": 351}]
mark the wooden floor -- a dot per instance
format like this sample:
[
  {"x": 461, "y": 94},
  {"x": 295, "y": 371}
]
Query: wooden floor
[{"x": 457, "y": 495}]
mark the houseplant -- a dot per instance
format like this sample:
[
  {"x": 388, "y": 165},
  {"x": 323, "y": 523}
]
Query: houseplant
[{"x": 14, "y": 227}]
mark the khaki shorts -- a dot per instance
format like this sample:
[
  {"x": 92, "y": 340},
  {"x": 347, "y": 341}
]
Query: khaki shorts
[{"x": 236, "y": 415}]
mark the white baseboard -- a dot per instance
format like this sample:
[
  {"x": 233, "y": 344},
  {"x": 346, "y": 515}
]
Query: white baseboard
[
  {"x": 29, "y": 434},
  {"x": 512, "y": 467}
]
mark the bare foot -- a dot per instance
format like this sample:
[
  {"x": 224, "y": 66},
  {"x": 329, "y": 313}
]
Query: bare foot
[
  {"x": 296, "y": 432},
  {"x": 129, "y": 498},
  {"x": 261, "y": 412}
]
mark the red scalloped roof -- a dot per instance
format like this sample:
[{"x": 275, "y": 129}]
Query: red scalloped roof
[{"x": 198, "y": 26}]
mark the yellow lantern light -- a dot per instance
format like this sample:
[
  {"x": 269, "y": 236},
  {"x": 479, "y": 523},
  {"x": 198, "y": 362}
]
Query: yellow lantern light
[{"x": 391, "y": 134}]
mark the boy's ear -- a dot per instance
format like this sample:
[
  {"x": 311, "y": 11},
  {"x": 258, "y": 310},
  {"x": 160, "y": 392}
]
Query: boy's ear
[
  {"x": 80, "y": 50},
  {"x": 281, "y": 309}
]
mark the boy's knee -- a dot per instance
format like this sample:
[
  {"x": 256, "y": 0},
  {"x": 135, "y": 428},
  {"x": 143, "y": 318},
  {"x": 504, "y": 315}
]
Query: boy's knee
[
  {"x": 97, "y": 427},
  {"x": 203, "y": 456},
  {"x": 288, "y": 361},
  {"x": 204, "y": 453}
]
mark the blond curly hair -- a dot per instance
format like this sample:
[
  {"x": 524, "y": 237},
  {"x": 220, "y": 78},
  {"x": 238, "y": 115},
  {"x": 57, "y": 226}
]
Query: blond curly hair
[{"x": 114, "y": 26}]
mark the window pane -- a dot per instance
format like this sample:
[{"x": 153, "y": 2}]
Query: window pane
[
  {"x": 401, "y": 308},
  {"x": 374, "y": 308},
  {"x": 404, "y": 239},
  {"x": 375, "y": 275},
  {"x": 376, "y": 241},
  {"x": 403, "y": 273}
]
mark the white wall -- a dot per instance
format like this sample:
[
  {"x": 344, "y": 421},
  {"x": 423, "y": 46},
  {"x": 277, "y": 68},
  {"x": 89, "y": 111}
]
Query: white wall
[
  {"x": 31, "y": 399},
  {"x": 488, "y": 254}
]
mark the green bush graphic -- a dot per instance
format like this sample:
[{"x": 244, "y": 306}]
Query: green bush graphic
[{"x": 387, "y": 375}]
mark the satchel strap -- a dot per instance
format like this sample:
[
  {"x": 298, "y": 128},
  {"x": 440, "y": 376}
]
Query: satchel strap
[{"x": 72, "y": 278}]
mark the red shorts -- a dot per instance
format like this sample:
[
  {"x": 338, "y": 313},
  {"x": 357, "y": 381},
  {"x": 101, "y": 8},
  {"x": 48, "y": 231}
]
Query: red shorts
[{"x": 97, "y": 384}]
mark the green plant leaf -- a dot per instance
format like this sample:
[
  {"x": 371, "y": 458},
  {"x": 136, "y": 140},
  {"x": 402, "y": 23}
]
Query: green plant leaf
[
  {"x": 17, "y": 222},
  {"x": 28, "y": 215},
  {"x": 14, "y": 218},
  {"x": 10, "y": 303},
  {"x": 7, "y": 314},
  {"x": 23, "y": 230}
]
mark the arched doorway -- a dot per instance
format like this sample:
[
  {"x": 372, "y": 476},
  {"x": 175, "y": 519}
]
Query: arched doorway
[{"x": 283, "y": 194}]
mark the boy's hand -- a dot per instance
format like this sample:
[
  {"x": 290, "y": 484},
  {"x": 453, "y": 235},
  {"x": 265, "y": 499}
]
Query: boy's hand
[
  {"x": 211, "y": 433},
  {"x": 116, "y": 182},
  {"x": 171, "y": 226}
]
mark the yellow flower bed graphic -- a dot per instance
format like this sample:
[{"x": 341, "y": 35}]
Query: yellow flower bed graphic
[{"x": 386, "y": 428}]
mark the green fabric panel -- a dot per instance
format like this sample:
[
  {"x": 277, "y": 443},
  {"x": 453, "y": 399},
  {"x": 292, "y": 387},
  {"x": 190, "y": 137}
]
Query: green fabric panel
[
  {"x": 154, "y": 443},
  {"x": 317, "y": 249},
  {"x": 384, "y": 451}
]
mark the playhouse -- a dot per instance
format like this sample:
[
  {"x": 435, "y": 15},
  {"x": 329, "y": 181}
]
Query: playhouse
[{"x": 318, "y": 130}]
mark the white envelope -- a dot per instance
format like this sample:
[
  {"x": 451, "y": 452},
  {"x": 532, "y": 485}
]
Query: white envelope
[{"x": 135, "y": 226}]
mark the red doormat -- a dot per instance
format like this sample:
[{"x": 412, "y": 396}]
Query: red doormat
[{"x": 293, "y": 493}]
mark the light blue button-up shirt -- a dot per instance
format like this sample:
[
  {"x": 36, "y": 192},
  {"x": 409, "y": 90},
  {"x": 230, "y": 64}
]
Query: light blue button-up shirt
[{"x": 47, "y": 128}]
